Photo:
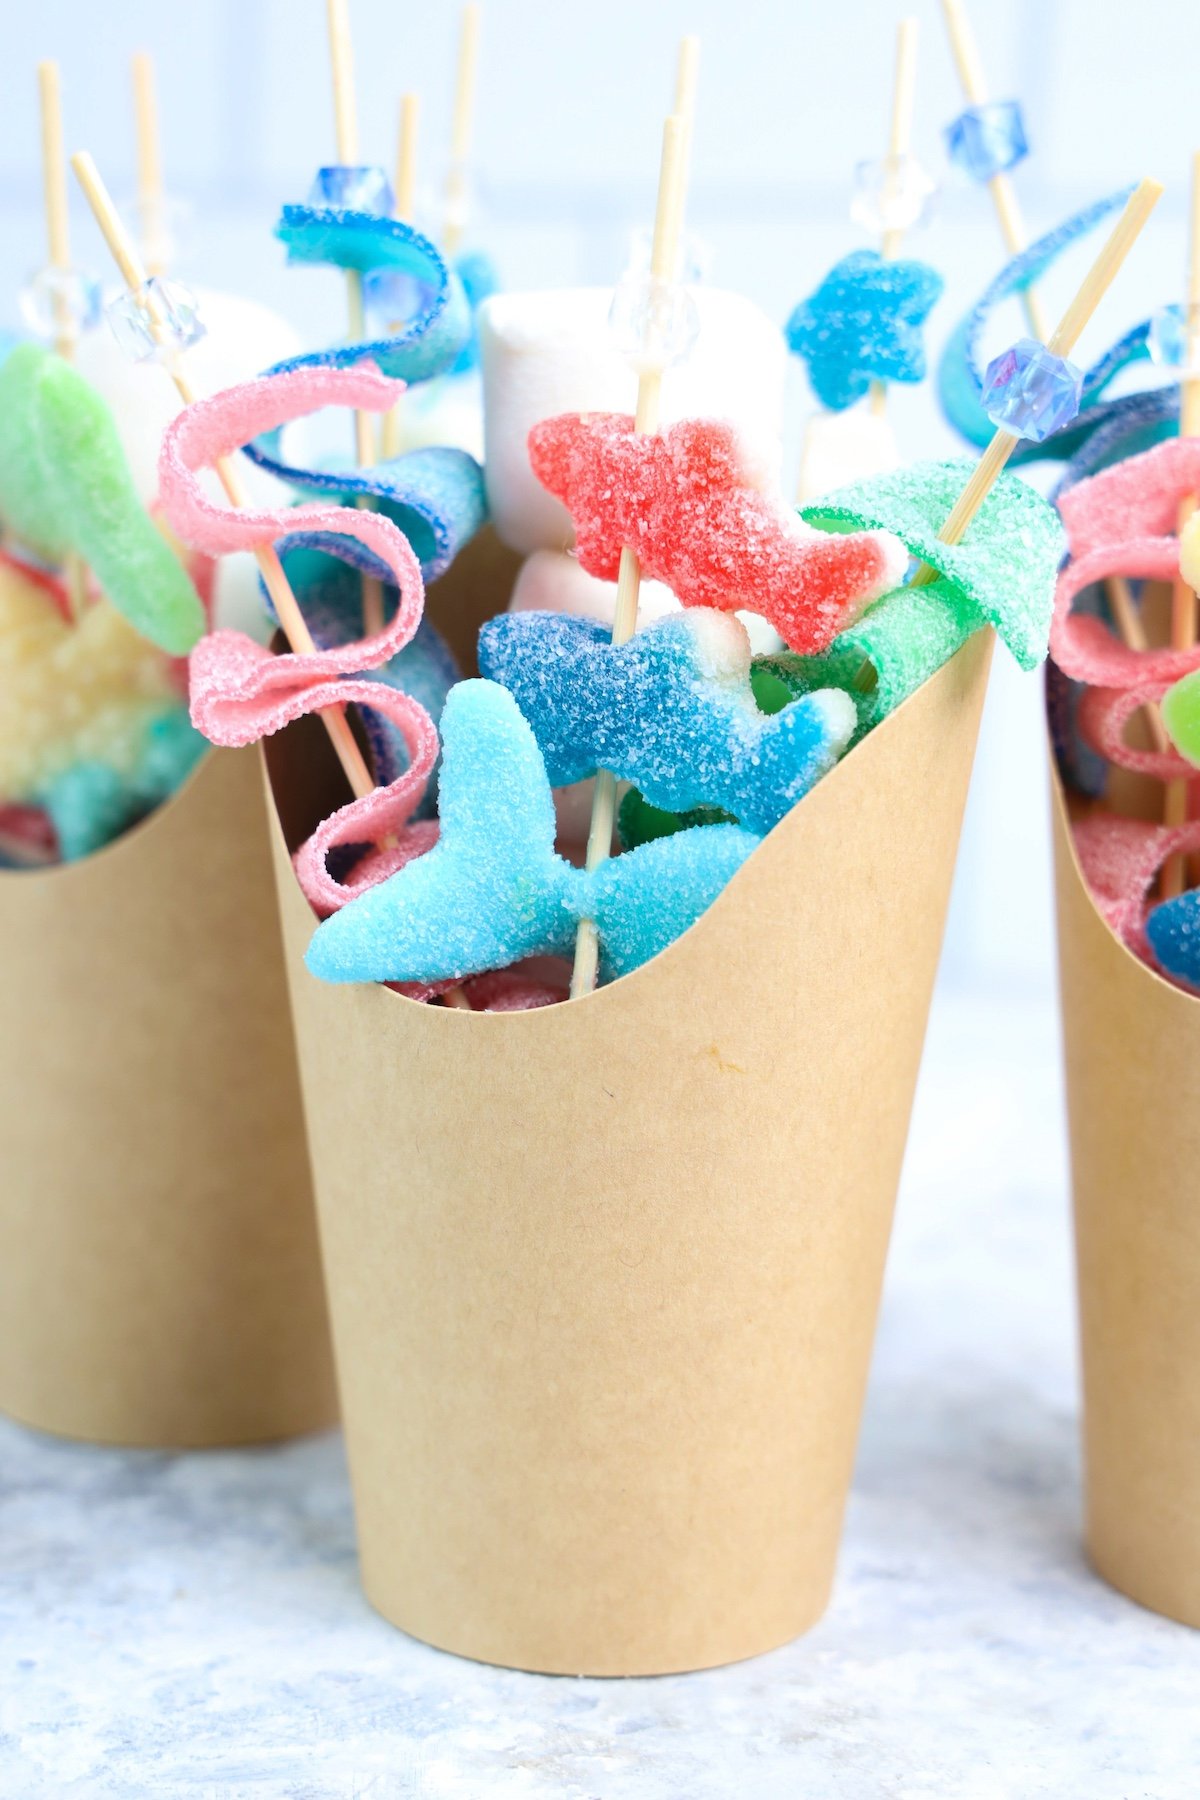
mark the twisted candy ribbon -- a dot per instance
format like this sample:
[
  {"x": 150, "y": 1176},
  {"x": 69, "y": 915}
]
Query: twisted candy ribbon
[
  {"x": 434, "y": 495},
  {"x": 961, "y": 370},
  {"x": 1123, "y": 522},
  {"x": 241, "y": 692},
  {"x": 1120, "y": 859}
]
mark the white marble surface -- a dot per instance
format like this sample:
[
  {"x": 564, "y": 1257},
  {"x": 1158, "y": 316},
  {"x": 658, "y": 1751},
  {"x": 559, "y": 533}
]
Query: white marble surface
[{"x": 192, "y": 1626}]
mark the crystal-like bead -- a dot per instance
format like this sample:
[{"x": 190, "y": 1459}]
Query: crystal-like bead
[
  {"x": 1031, "y": 392},
  {"x": 891, "y": 193},
  {"x": 1167, "y": 342},
  {"x": 986, "y": 140},
  {"x": 59, "y": 303},
  {"x": 352, "y": 187},
  {"x": 157, "y": 322},
  {"x": 653, "y": 323}
]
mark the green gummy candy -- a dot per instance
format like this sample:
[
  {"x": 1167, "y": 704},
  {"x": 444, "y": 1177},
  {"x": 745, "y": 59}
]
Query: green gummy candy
[
  {"x": 639, "y": 823},
  {"x": 1181, "y": 716},
  {"x": 1007, "y": 564},
  {"x": 65, "y": 486},
  {"x": 883, "y": 658}
]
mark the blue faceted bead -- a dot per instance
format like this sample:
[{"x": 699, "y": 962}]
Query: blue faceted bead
[
  {"x": 986, "y": 140},
  {"x": 1030, "y": 391},
  {"x": 353, "y": 187}
]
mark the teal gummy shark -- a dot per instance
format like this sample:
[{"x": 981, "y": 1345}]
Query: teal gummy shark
[
  {"x": 672, "y": 711},
  {"x": 493, "y": 890}
]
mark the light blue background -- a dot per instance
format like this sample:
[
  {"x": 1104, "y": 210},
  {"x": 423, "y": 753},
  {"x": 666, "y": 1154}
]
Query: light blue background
[{"x": 570, "y": 107}]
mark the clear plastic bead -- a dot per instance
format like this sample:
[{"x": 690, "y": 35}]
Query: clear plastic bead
[
  {"x": 1167, "y": 342},
  {"x": 60, "y": 303},
  {"x": 653, "y": 323},
  {"x": 987, "y": 140},
  {"x": 695, "y": 255},
  {"x": 1031, "y": 392},
  {"x": 353, "y": 187},
  {"x": 157, "y": 322},
  {"x": 891, "y": 193}
]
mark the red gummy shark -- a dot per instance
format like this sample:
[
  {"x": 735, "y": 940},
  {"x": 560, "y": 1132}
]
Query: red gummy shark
[{"x": 685, "y": 502}]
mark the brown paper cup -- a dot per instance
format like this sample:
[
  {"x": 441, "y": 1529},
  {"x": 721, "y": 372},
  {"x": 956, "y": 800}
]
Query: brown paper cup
[
  {"x": 1132, "y": 1045},
  {"x": 159, "y": 1275},
  {"x": 604, "y": 1277}
]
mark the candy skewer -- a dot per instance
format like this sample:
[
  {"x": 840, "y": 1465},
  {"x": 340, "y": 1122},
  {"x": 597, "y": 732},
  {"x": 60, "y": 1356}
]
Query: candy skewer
[
  {"x": 664, "y": 256},
  {"x": 54, "y": 193},
  {"x": 1062, "y": 341},
  {"x": 1004, "y": 195},
  {"x": 345, "y": 115},
  {"x": 460, "y": 137},
  {"x": 1183, "y": 600},
  {"x": 899, "y": 144},
  {"x": 151, "y": 200},
  {"x": 287, "y": 609},
  {"x": 406, "y": 194}
]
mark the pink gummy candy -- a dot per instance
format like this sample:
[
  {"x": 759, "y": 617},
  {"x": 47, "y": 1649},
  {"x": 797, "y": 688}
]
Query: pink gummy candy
[
  {"x": 684, "y": 501},
  {"x": 1120, "y": 859},
  {"x": 241, "y": 692}
]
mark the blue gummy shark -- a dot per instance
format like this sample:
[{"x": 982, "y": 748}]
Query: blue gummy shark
[
  {"x": 493, "y": 890},
  {"x": 864, "y": 323},
  {"x": 672, "y": 711}
]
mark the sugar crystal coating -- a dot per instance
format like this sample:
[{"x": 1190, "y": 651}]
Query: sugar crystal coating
[
  {"x": 672, "y": 711},
  {"x": 492, "y": 891},
  {"x": 684, "y": 501},
  {"x": 864, "y": 323},
  {"x": 1173, "y": 933}
]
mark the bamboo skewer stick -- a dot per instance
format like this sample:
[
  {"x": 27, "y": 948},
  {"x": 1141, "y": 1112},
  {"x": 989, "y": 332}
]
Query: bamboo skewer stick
[
  {"x": 899, "y": 143},
  {"x": 406, "y": 191},
  {"x": 345, "y": 115},
  {"x": 460, "y": 136},
  {"x": 664, "y": 256},
  {"x": 1062, "y": 341},
  {"x": 58, "y": 242},
  {"x": 151, "y": 193},
  {"x": 133, "y": 273},
  {"x": 1183, "y": 600},
  {"x": 1004, "y": 196}
]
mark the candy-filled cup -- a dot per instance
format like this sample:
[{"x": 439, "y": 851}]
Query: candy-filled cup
[
  {"x": 159, "y": 1276},
  {"x": 1132, "y": 1047},
  {"x": 604, "y": 1277}
]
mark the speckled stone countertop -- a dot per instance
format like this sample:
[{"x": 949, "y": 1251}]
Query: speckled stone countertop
[{"x": 192, "y": 1625}]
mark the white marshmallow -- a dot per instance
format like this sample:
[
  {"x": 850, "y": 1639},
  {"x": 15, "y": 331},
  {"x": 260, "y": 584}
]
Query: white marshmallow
[
  {"x": 448, "y": 411},
  {"x": 840, "y": 448},
  {"x": 548, "y": 353}
]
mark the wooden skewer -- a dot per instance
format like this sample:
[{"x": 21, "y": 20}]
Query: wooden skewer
[
  {"x": 899, "y": 143},
  {"x": 1096, "y": 282},
  {"x": 291, "y": 619},
  {"x": 1183, "y": 600},
  {"x": 345, "y": 115},
  {"x": 664, "y": 257},
  {"x": 1004, "y": 195},
  {"x": 406, "y": 192},
  {"x": 151, "y": 202},
  {"x": 58, "y": 242},
  {"x": 460, "y": 136}
]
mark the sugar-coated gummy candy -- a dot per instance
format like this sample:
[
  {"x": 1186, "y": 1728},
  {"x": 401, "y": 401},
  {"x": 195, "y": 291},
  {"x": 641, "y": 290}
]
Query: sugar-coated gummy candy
[
  {"x": 239, "y": 691},
  {"x": 91, "y": 803},
  {"x": 671, "y": 710},
  {"x": 1120, "y": 859},
  {"x": 550, "y": 352},
  {"x": 1006, "y": 564},
  {"x": 887, "y": 654},
  {"x": 863, "y": 324},
  {"x": 65, "y": 486},
  {"x": 684, "y": 501},
  {"x": 1173, "y": 933},
  {"x": 492, "y": 891},
  {"x": 72, "y": 694}
]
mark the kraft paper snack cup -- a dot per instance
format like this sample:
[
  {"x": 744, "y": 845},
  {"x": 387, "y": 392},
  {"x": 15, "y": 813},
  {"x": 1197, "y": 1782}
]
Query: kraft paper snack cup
[
  {"x": 1132, "y": 1046},
  {"x": 602, "y": 1351},
  {"x": 159, "y": 1277}
]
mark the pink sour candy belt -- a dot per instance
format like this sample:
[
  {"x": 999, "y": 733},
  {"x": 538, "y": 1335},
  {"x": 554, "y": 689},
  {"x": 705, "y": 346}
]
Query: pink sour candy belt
[
  {"x": 684, "y": 501},
  {"x": 1123, "y": 522},
  {"x": 241, "y": 692},
  {"x": 1120, "y": 859}
]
